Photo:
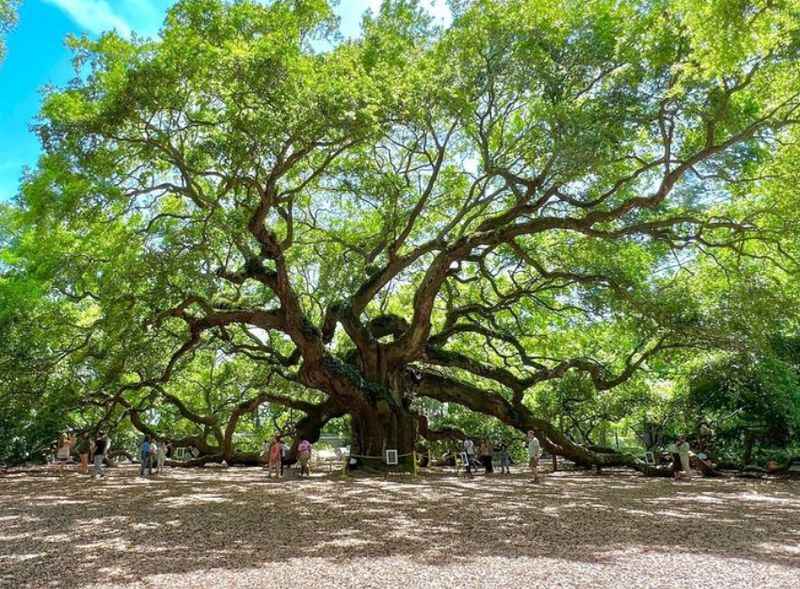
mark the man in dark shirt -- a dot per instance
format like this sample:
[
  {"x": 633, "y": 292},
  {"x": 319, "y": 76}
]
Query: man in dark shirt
[{"x": 101, "y": 444}]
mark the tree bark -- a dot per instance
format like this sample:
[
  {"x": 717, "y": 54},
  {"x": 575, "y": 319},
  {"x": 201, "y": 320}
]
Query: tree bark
[
  {"x": 383, "y": 426},
  {"x": 749, "y": 441},
  {"x": 310, "y": 426}
]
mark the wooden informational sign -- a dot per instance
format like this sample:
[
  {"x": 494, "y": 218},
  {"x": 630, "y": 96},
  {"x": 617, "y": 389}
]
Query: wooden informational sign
[{"x": 391, "y": 457}]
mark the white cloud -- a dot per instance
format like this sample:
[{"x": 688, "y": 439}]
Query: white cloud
[{"x": 96, "y": 16}]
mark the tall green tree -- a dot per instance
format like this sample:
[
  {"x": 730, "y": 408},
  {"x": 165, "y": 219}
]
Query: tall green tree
[
  {"x": 8, "y": 18},
  {"x": 463, "y": 214}
]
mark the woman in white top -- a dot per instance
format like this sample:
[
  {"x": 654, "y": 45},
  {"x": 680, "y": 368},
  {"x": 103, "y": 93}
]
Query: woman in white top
[
  {"x": 534, "y": 453},
  {"x": 682, "y": 447},
  {"x": 64, "y": 451},
  {"x": 161, "y": 456}
]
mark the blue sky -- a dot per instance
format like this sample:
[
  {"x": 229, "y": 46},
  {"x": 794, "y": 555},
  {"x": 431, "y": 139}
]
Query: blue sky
[{"x": 36, "y": 57}]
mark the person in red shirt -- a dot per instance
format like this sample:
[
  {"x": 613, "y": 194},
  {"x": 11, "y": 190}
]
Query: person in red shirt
[{"x": 275, "y": 454}]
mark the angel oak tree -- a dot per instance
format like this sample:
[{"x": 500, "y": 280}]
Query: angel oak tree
[{"x": 461, "y": 213}]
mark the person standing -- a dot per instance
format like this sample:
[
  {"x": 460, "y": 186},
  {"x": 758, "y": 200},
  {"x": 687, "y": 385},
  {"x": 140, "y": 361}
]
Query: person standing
[
  {"x": 534, "y": 453},
  {"x": 505, "y": 458},
  {"x": 304, "y": 456},
  {"x": 275, "y": 457},
  {"x": 161, "y": 457},
  {"x": 153, "y": 453},
  {"x": 101, "y": 447},
  {"x": 485, "y": 452},
  {"x": 682, "y": 448},
  {"x": 83, "y": 448},
  {"x": 64, "y": 450},
  {"x": 284, "y": 455},
  {"x": 265, "y": 453},
  {"x": 469, "y": 454},
  {"x": 145, "y": 462}
]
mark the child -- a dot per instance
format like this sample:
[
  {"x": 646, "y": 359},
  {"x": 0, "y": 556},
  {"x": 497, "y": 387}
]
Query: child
[{"x": 303, "y": 456}]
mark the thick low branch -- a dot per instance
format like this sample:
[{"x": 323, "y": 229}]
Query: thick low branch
[{"x": 518, "y": 416}]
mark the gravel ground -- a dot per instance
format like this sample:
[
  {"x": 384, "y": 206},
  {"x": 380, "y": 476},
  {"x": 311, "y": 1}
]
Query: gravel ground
[{"x": 236, "y": 528}]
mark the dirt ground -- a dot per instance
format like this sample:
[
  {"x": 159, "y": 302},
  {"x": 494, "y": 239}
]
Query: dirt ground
[{"x": 236, "y": 528}]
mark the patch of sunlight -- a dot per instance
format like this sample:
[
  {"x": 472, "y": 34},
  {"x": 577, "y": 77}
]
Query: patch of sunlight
[
  {"x": 707, "y": 498},
  {"x": 146, "y": 526},
  {"x": 342, "y": 543},
  {"x": 9, "y": 538},
  {"x": 774, "y": 548},
  {"x": 183, "y": 500},
  {"x": 753, "y": 497},
  {"x": 57, "y": 538},
  {"x": 102, "y": 522},
  {"x": 23, "y": 557},
  {"x": 636, "y": 511},
  {"x": 115, "y": 544},
  {"x": 676, "y": 514}
]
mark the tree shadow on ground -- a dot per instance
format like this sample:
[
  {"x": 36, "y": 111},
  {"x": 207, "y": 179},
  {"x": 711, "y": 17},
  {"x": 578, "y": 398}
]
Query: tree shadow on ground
[{"x": 72, "y": 530}]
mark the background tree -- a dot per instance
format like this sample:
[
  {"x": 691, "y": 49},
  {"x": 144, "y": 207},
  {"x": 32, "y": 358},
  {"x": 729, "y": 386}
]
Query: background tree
[
  {"x": 466, "y": 214},
  {"x": 747, "y": 399},
  {"x": 8, "y": 18}
]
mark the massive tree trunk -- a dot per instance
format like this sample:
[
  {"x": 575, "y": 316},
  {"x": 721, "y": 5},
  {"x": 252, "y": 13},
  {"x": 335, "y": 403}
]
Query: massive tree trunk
[
  {"x": 383, "y": 426},
  {"x": 377, "y": 399}
]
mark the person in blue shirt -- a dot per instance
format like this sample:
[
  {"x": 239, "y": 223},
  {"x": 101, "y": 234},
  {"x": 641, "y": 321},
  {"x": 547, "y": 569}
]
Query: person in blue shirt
[{"x": 145, "y": 458}]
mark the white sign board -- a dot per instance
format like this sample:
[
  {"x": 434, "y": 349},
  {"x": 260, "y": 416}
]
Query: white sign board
[{"x": 391, "y": 457}]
